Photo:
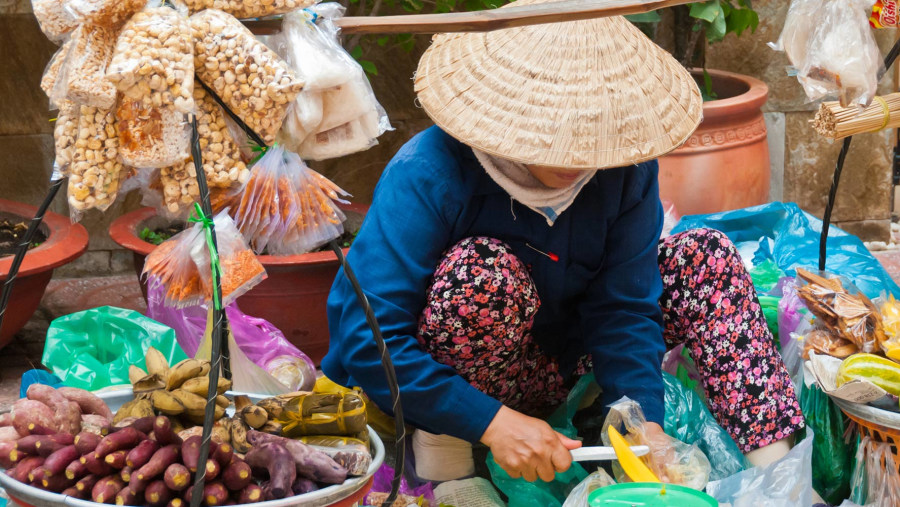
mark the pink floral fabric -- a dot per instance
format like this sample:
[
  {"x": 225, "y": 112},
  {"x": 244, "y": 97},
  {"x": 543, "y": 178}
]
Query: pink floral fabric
[{"x": 482, "y": 302}]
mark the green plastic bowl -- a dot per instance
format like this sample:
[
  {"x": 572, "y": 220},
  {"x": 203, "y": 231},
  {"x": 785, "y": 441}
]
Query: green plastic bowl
[{"x": 649, "y": 494}]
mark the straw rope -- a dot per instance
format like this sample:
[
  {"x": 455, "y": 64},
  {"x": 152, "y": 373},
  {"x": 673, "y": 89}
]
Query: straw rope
[
  {"x": 584, "y": 94},
  {"x": 836, "y": 122}
]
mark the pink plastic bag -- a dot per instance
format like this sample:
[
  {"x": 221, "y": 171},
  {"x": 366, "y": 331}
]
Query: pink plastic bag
[{"x": 260, "y": 341}]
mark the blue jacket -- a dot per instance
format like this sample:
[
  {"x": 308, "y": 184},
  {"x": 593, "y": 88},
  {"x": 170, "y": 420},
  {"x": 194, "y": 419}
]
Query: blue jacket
[{"x": 601, "y": 296}]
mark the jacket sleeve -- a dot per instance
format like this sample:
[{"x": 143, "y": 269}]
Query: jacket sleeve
[
  {"x": 399, "y": 246},
  {"x": 620, "y": 312}
]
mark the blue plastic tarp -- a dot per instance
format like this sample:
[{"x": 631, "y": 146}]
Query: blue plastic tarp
[{"x": 790, "y": 237}]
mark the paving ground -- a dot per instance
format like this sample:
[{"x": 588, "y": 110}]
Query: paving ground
[{"x": 65, "y": 296}]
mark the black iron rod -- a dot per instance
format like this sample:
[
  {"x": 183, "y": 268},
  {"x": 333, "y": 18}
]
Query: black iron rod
[
  {"x": 218, "y": 330},
  {"x": 22, "y": 248},
  {"x": 390, "y": 372}
]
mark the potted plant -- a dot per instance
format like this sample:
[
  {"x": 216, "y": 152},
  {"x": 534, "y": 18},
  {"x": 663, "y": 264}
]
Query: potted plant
[
  {"x": 60, "y": 242},
  {"x": 725, "y": 164},
  {"x": 292, "y": 297}
]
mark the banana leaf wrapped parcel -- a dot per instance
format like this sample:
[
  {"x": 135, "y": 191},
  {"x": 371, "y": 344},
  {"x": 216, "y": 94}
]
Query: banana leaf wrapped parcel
[{"x": 323, "y": 414}]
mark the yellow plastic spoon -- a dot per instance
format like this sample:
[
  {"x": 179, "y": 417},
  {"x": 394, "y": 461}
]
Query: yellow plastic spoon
[{"x": 634, "y": 468}]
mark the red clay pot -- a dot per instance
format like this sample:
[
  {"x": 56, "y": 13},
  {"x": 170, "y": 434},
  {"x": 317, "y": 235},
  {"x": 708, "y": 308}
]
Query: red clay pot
[
  {"x": 725, "y": 163},
  {"x": 65, "y": 242},
  {"x": 292, "y": 298}
]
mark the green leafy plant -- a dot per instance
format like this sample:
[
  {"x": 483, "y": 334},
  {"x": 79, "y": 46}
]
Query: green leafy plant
[{"x": 153, "y": 237}]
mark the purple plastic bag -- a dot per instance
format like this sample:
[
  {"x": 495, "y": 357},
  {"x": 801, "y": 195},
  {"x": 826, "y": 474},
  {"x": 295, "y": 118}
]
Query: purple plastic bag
[
  {"x": 790, "y": 309},
  {"x": 381, "y": 483},
  {"x": 260, "y": 341}
]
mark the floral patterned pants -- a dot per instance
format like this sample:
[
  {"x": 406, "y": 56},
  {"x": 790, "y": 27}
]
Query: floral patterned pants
[{"x": 482, "y": 303}]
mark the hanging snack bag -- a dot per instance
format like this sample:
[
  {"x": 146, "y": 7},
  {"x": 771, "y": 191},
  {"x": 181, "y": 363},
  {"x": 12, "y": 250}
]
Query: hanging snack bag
[
  {"x": 241, "y": 270},
  {"x": 151, "y": 137},
  {"x": 885, "y": 14},
  {"x": 251, "y": 79},
  {"x": 170, "y": 268},
  {"x": 86, "y": 63},
  {"x": 153, "y": 61},
  {"x": 95, "y": 172},
  {"x": 342, "y": 140},
  {"x": 222, "y": 161},
  {"x": 64, "y": 133},
  {"x": 54, "y": 19},
  {"x": 53, "y": 72},
  {"x": 249, "y": 8},
  {"x": 108, "y": 13},
  {"x": 842, "y": 58}
]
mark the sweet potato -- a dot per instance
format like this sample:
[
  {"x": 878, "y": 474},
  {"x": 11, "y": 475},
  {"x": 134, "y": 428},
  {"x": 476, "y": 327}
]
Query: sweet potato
[
  {"x": 57, "y": 462},
  {"x": 310, "y": 463},
  {"x": 96, "y": 465},
  {"x": 223, "y": 453},
  {"x": 125, "y": 438},
  {"x": 190, "y": 452},
  {"x": 66, "y": 414},
  {"x": 5, "y": 449},
  {"x": 34, "y": 429},
  {"x": 275, "y": 458},
  {"x": 45, "y": 447},
  {"x": 177, "y": 477},
  {"x": 28, "y": 444},
  {"x": 62, "y": 438},
  {"x": 125, "y": 473},
  {"x": 237, "y": 476},
  {"x": 157, "y": 494},
  {"x": 5, "y": 419},
  {"x": 213, "y": 469},
  {"x": 106, "y": 489},
  {"x": 128, "y": 496},
  {"x": 76, "y": 470},
  {"x": 141, "y": 454},
  {"x": 35, "y": 476},
  {"x": 24, "y": 467},
  {"x": 214, "y": 493},
  {"x": 251, "y": 494},
  {"x": 116, "y": 459},
  {"x": 158, "y": 463},
  {"x": 74, "y": 493},
  {"x": 162, "y": 430},
  {"x": 142, "y": 424},
  {"x": 303, "y": 485},
  {"x": 86, "y": 442},
  {"x": 27, "y": 412},
  {"x": 56, "y": 483},
  {"x": 9, "y": 434},
  {"x": 94, "y": 423},
  {"x": 88, "y": 402},
  {"x": 176, "y": 502},
  {"x": 86, "y": 484}
]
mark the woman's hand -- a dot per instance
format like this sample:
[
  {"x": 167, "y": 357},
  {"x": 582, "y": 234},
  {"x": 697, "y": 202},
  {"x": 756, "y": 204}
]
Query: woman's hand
[
  {"x": 661, "y": 448},
  {"x": 528, "y": 447}
]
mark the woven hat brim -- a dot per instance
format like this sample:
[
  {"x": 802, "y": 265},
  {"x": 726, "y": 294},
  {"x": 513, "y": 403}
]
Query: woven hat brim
[{"x": 580, "y": 95}]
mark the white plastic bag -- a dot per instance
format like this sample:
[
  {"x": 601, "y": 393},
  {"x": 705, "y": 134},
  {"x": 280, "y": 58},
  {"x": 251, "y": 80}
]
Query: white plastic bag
[{"x": 784, "y": 483}]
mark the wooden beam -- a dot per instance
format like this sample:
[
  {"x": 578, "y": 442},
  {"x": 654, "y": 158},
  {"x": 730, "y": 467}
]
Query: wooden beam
[{"x": 483, "y": 21}]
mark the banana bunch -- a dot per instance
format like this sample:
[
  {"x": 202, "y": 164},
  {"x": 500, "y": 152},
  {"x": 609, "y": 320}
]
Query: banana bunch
[{"x": 178, "y": 390}]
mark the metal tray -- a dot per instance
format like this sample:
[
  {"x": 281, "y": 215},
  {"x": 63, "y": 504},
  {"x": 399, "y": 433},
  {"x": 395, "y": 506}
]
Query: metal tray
[{"x": 116, "y": 398}]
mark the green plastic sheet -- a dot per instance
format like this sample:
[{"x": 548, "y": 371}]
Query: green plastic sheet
[
  {"x": 832, "y": 457},
  {"x": 94, "y": 348}
]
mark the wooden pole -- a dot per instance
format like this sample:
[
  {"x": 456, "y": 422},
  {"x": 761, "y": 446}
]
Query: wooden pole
[{"x": 482, "y": 21}]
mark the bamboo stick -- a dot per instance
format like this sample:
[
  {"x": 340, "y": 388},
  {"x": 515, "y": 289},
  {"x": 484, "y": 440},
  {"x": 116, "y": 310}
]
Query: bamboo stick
[
  {"x": 482, "y": 21},
  {"x": 836, "y": 122}
]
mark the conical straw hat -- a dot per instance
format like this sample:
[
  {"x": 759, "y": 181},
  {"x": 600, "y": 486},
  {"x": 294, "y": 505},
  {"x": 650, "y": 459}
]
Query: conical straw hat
[{"x": 580, "y": 95}]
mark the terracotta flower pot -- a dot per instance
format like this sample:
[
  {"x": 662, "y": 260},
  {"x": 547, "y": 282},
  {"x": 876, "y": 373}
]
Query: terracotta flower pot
[
  {"x": 65, "y": 242},
  {"x": 725, "y": 163},
  {"x": 292, "y": 298}
]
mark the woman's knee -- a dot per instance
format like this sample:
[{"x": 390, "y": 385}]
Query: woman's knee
[{"x": 703, "y": 239}]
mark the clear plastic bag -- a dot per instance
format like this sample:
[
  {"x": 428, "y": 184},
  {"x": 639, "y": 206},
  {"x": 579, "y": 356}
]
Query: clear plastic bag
[
  {"x": 890, "y": 317},
  {"x": 153, "y": 62},
  {"x": 351, "y": 453},
  {"x": 95, "y": 172},
  {"x": 108, "y": 13},
  {"x": 579, "y": 496},
  {"x": 55, "y": 20},
  {"x": 86, "y": 64},
  {"x": 65, "y": 130},
  {"x": 799, "y": 24},
  {"x": 842, "y": 309},
  {"x": 53, "y": 71},
  {"x": 151, "y": 137},
  {"x": 676, "y": 461},
  {"x": 251, "y": 79},
  {"x": 785, "y": 483},
  {"x": 881, "y": 482},
  {"x": 249, "y": 8},
  {"x": 286, "y": 208},
  {"x": 842, "y": 59},
  {"x": 338, "y": 113},
  {"x": 170, "y": 269}
]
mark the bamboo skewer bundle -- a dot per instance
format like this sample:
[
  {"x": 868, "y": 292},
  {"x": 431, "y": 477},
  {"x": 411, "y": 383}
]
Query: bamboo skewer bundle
[{"x": 836, "y": 122}]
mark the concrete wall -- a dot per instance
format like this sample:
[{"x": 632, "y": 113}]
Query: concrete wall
[{"x": 802, "y": 163}]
